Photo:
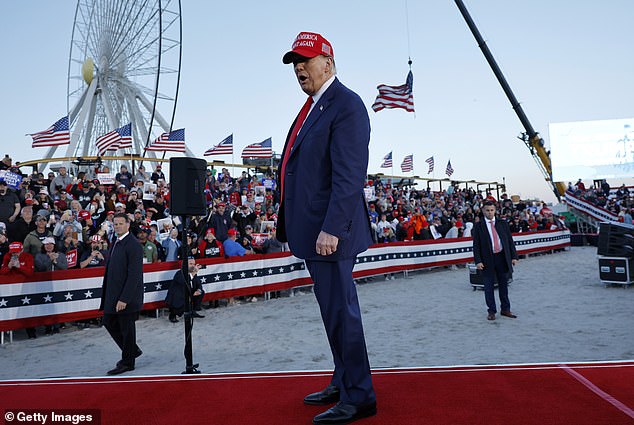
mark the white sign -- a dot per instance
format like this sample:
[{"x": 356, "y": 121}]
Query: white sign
[
  {"x": 105, "y": 178},
  {"x": 149, "y": 191}
]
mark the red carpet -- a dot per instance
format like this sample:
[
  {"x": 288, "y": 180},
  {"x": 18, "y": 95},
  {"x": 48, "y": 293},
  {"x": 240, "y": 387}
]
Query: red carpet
[{"x": 593, "y": 394}]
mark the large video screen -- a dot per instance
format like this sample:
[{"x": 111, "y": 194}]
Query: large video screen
[{"x": 592, "y": 149}]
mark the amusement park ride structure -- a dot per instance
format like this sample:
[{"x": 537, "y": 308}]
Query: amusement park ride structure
[{"x": 124, "y": 67}]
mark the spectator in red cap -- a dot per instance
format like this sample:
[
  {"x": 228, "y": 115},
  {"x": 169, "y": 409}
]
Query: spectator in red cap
[
  {"x": 210, "y": 246},
  {"x": 17, "y": 262},
  {"x": 323, "y": 217},
  {"x": 233, "y": 248},
  {"x": 87, "y": 225}
]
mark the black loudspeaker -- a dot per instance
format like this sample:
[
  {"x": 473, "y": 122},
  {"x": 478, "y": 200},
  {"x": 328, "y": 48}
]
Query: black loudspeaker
[
  {"x": 616, "y": 240},
  {"x": 187, "y": 186}
]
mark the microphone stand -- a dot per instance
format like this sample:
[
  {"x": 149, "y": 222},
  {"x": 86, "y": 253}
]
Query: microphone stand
[{"x": 190, "y": 367}]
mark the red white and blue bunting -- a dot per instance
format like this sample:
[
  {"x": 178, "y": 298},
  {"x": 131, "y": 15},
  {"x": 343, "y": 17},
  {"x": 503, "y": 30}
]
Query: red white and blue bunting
[
  {"x": 68, "y": 295},
  {"x": 598, "y": 213}
]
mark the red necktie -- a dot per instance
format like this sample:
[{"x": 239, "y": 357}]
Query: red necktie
[
  {"x": 303, "y": 113},
  {"x": 496, "y": 238}
]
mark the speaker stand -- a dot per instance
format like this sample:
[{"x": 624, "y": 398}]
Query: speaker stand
[{"x": 190, "y": 367}]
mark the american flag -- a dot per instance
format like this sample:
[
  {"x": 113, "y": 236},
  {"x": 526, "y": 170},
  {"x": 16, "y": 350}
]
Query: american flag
[
  {"x": 396, "y": 96},
  {"x": 119, "y": 138},
  {"x": 173, "y": 141},
  {"x": 449, "y": 170},
  {"x": 223, "y": 148},
  {"x": 430, "y": 161},
  {"x": 387, "y": 161},
  {"x": 408, "y": 164},
  {"x": 55, "y": 135},
  {"x": 259, "y": 150}
]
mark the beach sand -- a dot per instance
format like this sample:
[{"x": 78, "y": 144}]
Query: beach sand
[{"x": 429, "y": 318}]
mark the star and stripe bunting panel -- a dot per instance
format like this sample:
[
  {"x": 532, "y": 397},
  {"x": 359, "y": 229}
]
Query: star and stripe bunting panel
[
  {"x": 595, "y": 212},
  {"x": 68, "y": 295}
]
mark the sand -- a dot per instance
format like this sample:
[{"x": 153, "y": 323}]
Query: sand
[{"x": 429, "y": 318}]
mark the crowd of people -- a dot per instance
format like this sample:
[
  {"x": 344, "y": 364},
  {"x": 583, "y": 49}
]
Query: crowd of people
[
  {"x": 404, "y": 212},
  {"x": 617, "y": 201},
  {"x": 62, "y": 221},
  {"x": 50, "y": 219}
]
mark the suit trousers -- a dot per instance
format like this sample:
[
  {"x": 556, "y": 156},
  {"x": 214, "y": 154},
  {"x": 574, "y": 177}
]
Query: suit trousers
[
  {"x": 122, "y": 329},
  {"x": 500, "y": 271},
  {"x": 337, "y": 298}
]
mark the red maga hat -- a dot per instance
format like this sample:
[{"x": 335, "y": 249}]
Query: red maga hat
[
  {"x": 308, "y": 45},
  {"x": 15, "y": 247}
]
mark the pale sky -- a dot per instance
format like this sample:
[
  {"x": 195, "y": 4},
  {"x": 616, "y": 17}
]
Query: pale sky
[{"x": 566, "y": 60}]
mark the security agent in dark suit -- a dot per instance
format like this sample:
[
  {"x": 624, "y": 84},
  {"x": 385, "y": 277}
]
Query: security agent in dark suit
[
  {"x": 324, "y": 217},
  {"x": 175, "y": 298},
  {"x": 122, "y": 293},
  {"x": 494, "y": 254}
]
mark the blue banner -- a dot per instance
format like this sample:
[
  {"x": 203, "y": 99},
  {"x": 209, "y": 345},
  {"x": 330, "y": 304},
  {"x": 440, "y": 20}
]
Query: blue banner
[{"x": 13, "y": 180}]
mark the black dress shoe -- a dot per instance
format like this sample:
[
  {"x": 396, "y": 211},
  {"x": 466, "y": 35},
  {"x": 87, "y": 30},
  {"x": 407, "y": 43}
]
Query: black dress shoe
[
  {"x": 121, "y": 368},
  {"x": 199, "y": 316},
  {"x": 173, "y": 319},
  {"x": 136, "y": 356},
  {"x": 327, "y": 396},
  {"x": 343, "y": 413}
]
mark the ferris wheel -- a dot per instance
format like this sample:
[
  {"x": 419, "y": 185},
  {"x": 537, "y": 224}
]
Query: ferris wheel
[{"x": 124, "y": 67}]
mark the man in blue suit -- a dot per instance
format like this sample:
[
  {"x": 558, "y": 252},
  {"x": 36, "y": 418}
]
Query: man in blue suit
[{"x": 324, "y": 218}]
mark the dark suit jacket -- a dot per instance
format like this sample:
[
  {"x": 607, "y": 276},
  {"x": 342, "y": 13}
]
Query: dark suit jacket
[
  {"x": 483, "y": 248},
  {"x": 176, "y": 293},
  {"x": 123, "y": 278},
  {"x": 325, "y": 175}
]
